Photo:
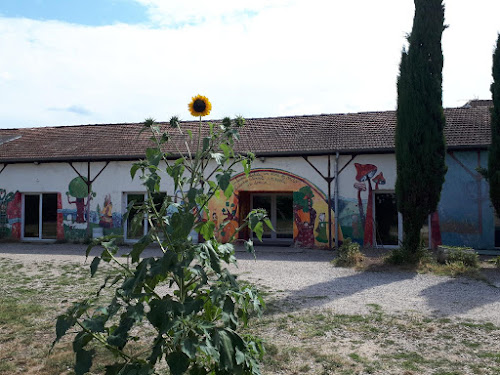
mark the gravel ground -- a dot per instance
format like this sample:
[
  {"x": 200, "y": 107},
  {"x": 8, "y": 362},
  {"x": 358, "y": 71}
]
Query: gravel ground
[{"x": 299, "y": 280}]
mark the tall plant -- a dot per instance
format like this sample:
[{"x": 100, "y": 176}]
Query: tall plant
[
  {"x": 184, "y": 309},
  {"x": 420, "y": 144},
  {"x": 493, "y": 172}
]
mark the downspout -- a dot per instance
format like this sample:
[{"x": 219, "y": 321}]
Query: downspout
[
  {"x": 336, "y": 194},
  {"x": 4, "y": 166},
  {"x": 329, "y": 180}
]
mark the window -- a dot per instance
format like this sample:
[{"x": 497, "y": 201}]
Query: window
[
  {"x": 280, "y": 210},
  {"x": 136, "y": 232},
  {"x": 386, "y": 220},
  {"x": 40, "y": 216},
  {"x": 389, "y": 222}
]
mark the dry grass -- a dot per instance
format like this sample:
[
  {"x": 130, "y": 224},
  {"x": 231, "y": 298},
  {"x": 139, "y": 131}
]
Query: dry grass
[{"x": 315, "y": 341}]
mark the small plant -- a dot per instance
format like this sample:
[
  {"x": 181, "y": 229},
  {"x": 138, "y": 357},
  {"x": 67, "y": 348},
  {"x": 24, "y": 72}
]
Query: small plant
[
  {"x": 405, "y": 256},
  {"x": 349, "y": 255},
  {"x": 496, "y": 261},
  {"x": 465, "y": 256}
]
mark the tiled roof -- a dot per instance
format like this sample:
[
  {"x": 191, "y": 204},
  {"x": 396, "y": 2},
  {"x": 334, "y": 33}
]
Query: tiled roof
[{"x": 299, "y": 135}]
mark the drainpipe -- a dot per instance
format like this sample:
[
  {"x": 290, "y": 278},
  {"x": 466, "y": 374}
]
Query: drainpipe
[{"x": 336, "y": 194}]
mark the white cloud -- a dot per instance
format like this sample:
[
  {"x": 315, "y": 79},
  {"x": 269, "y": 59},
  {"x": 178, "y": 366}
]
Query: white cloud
[{"x": 262, "y": 58}]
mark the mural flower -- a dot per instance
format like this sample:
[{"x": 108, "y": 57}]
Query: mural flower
[{"x": 200, "y": 106}]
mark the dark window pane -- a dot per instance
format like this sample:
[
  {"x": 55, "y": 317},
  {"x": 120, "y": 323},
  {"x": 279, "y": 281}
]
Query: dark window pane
[
  {"x": 284, "y": 216},
  {"x": 386, "y": 219},
  {"x": 49, "y": 216},
  {"x": 263, "y": 201},
  {"x": 31, "y": 215},
  {"x": 135, "y": 228}
]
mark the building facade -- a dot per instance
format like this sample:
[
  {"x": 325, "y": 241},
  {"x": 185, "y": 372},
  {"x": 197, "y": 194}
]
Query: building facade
[{"x": 319, "y": 177}]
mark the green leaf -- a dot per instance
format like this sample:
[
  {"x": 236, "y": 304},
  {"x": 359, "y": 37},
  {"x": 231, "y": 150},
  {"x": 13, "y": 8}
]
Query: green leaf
[
  {"x": 178, "y": 363},
  {"x": 224, "y": 180},
  {"x": 81, "y": 340},
  {"x": 95, "y": 324},
  {"x": 247, "y": 166},
  {"x": 139, "y": 247},
  {"x": 83, "y": 361},
  {"x": 134, "y": 169},
  {"x": 258, "y": 230},
  {"x": 94, "y": 265},
  {"x": 226, "y": 150},
  {"x": 206, "y": 143},
  {"x": 189, "y": 347},
  {"x": 240, "y": 357},
  {"x": 226, "y": 350},
  {"x": 229, "y": 191},
  {"x": 64, "y": 322},
  {"x": 249, "y": 246},
  {"x": 268, "y": 223}
]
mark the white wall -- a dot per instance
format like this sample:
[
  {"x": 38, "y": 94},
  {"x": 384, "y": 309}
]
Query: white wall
[{"x": 115, "y": 179}]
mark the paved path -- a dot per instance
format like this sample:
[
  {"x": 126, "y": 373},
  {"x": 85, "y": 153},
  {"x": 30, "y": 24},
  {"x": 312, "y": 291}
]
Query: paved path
[{"x": 300, "y": 279}]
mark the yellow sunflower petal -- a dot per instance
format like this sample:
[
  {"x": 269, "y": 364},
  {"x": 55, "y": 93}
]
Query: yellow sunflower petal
[{"x": 200, "y": 106}]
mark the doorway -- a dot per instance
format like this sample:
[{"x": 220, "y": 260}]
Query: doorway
[
  {"x": 40, "y": 216},
  {"x": 386, "y": 220},
  {"x": 279, "y": 207}
]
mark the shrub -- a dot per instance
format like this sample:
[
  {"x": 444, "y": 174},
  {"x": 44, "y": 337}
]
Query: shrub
[
  {"x": 405, "y": 256},
  {"x": 349, "y": 254},
  {"x": 462, "y": 255}
]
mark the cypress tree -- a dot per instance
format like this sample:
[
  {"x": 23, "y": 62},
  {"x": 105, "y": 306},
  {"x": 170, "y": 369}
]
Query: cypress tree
[
  {"x": 420, "y": 144},
  {"x": 494, "y": 150}
]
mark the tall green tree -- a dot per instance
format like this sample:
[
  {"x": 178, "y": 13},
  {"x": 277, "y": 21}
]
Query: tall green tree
[
  {"x": 420, "y": 144},
  {"x": 494, "y": 150}
]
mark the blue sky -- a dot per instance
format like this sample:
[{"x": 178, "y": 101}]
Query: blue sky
[
  {"x": 84, "y": 12},
  {"x": 109, "y": 61}
]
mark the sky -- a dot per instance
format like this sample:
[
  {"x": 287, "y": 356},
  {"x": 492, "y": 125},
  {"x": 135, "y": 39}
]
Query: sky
[{"x": 70, "y": 62}]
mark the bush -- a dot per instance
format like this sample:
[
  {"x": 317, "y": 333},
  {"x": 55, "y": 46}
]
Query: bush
[
  {"x": 462, "y": 255},
  {"x": 349, "y": 254},
  {"x": 404, "y": 256}
]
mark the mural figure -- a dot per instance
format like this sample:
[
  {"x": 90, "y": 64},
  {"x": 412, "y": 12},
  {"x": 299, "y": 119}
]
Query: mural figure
[
  {"x": 304, "y": 216},
  {"x": 231, "y": 220},
  {"x": 4, "y": 220},
  {"x": 79, "y": 190},
  {"x": 321, "y": 229},
  {"x": 106, "y": 214},
  {"x": 364, "y": 173}
]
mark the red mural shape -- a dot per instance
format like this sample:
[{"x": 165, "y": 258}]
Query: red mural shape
[
  {"x": 379, "y": 180},
  {"x": 14, "y": 216}
]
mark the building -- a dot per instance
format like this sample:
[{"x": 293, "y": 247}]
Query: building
[{"x": 65, "y": 183}]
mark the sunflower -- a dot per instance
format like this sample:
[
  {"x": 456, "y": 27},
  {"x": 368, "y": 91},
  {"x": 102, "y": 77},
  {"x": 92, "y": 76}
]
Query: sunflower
[{"x": 200, "y": 106}]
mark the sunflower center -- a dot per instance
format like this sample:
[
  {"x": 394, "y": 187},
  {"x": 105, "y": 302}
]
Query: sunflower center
[{"x": 199, "y": 105}]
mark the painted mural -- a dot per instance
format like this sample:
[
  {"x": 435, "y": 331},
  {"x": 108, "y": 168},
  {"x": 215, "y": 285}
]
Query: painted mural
[
  {"x": 10, "y": 214},
  {"x": 103, "y": 221},
  {"x": 466, "y": 216},
  {"x": 310, "y": 206}
]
